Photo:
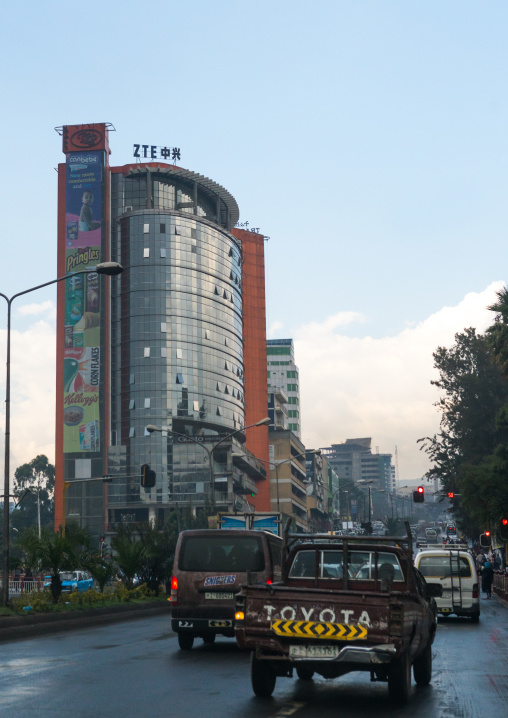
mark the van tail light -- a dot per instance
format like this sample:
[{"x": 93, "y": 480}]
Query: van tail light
[
  {"x": 174, "y": 591},
  {"x": 475, "y": 590}
]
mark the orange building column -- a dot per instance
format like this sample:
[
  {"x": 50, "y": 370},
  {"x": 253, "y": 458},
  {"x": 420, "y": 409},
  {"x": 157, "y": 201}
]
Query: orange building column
[{"x": 254, "y": 353}]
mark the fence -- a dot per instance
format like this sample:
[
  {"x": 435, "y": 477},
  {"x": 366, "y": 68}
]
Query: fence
[
  {"x": 18, "y": 585},
  {"x": 500, "y": 584}
]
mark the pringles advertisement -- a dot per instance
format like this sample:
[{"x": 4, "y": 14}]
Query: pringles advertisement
[{"x": 82, "y": 337}]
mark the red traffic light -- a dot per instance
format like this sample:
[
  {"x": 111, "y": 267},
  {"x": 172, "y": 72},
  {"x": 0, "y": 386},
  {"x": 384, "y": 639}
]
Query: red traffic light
[
  {"x": 485, "y": 539},
  {"x": 450, "y": 494},
  {"x": 419, "y": 495},
  {"x": 504, "y": 521}
]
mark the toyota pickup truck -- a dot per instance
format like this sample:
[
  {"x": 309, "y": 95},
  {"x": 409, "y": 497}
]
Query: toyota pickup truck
[{"x": 343, "y": 604}]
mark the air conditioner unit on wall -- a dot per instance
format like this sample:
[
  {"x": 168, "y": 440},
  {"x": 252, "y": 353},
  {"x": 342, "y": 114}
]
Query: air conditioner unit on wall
[{"x": 127, "y": 209}]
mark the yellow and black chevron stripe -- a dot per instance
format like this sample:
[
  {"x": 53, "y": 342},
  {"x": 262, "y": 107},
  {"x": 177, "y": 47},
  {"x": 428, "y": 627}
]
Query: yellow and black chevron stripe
[{"x": 314, "y": 629}]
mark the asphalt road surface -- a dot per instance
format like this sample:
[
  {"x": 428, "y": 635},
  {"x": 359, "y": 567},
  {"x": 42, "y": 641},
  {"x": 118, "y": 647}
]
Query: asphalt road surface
[{"x": 136, "y": 669}]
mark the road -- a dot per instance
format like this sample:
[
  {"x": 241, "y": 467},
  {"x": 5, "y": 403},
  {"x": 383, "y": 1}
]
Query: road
[{"x": 136, "y": 669}]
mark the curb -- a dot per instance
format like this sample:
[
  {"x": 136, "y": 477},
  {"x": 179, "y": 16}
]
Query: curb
[{"x": 19, "y": 627}]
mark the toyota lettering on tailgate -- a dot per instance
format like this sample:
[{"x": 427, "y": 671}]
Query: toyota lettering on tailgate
[
  {"x": 220, "y": 580},
  {"x": 326, "y": 615}
]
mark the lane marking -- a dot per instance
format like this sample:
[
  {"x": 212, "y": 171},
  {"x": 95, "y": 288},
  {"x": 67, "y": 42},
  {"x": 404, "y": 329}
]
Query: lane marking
[{"x": 288, "y": 710}]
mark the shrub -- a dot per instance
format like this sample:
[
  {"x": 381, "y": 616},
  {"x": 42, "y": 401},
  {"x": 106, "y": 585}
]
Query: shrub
[{"x": 40, "y": 601}]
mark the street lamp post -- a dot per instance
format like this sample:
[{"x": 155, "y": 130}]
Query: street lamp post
[
  {"x": 151, "y": 428},
  {"x": 109, "y": 268}
]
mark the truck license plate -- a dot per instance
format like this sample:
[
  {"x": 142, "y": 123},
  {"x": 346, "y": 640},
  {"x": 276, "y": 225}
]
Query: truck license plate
[
  {"x": 219, "y": 595},
  {"x": 313, "y": 651}
]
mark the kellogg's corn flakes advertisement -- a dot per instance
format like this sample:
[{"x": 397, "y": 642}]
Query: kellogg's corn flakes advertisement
[{"x": 81, "y": 421}]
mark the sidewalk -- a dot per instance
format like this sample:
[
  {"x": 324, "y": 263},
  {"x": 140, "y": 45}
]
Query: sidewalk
[{"x": 13, "y": 628}]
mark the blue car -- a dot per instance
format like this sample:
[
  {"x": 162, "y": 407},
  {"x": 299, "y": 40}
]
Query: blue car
[{"x": 73, "y": 581}]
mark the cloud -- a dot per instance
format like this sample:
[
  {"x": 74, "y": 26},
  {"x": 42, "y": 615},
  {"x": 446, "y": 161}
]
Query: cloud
[
  {"x": 32, "y": 429},
  {"x": 47, "y": 308},
  {"x": 358, "y": 387},
  {"x": 273, "y": 329}
]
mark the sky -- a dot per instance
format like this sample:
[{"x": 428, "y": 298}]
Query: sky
[{"x": 366, "y": 140}]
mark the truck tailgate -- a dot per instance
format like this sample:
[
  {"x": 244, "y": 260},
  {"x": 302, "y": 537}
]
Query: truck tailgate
[{"x": 284, "y": 615}]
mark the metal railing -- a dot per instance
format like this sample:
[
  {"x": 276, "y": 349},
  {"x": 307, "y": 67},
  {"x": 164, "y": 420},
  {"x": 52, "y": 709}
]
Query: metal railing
[
  {"x": 18, "y": 585},
  {"x": 500, "y": 584}
]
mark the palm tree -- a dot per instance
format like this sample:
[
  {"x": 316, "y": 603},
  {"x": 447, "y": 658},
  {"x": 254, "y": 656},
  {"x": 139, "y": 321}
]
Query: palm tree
[
  {"x": 55, "y": 551},
  {"x": 101, "y": 569},
  {"x": 159, "y": 550},
  {"x": 129, "y": 553}
]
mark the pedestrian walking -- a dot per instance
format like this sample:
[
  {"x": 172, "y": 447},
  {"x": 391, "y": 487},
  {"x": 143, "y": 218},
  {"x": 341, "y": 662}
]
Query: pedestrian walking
[{"x": 487, "y": 578}]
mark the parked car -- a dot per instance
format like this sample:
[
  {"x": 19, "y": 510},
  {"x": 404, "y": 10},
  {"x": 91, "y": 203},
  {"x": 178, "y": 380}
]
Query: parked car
[{"x": 73, "y": 581}]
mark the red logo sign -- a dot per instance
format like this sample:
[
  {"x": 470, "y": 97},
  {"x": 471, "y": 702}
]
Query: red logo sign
[{"x": 86, "y": 138}]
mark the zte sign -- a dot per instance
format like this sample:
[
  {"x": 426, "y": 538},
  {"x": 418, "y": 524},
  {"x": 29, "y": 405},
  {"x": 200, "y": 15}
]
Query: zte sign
[{"x": 154, "y": 152}]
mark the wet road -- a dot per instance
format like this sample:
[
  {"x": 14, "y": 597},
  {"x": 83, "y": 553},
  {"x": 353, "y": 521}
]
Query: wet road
[{"x": 136, "y": 669}]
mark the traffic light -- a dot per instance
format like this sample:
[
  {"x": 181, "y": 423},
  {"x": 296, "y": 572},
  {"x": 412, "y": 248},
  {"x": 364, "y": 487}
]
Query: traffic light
[
  {"x": 450, "y": 494},
  {"x": 503, "y": 528},
  {"x": 147, "y": 477},
  {"x": 419, "y": 495},
  {"x": 485, "y": 539}
]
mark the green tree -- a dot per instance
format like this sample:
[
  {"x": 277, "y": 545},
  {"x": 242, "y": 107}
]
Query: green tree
[
  {"x": 467, "y": 453},
  {"x": 497, "y": 333},
  {"x": 38, "y": 477},
  {"x": 159, "y": 551},
  {"x": 55, "y": 551},
  {"x": 128, "y": 553},
  {"x": 474, "y": 390},
  {"x": 101, "y": 569}
]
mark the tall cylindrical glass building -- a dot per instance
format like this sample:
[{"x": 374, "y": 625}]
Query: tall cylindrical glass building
[{"x": 176, "y": 327}]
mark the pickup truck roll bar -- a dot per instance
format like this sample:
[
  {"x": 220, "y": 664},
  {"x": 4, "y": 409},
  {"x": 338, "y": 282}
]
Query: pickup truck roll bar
[{"x": 292, "y": 539}]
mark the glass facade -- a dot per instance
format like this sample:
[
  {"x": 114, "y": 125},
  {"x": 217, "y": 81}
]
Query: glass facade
[
  {"x": 278, "y": 377},
  {"x": 176, "y": 340}
]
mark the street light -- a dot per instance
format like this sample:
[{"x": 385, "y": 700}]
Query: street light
[
  {"x": 151, "y": 428},
  {"x": 109, "y": 268}
]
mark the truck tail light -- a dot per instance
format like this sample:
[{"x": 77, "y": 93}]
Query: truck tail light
[{"x": 174, "y": 591}]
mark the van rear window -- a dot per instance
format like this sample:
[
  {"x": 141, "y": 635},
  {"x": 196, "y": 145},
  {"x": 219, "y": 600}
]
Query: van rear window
[
  {"x": 441, "y": 566},
  {"x": 222, "y": 553}
]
